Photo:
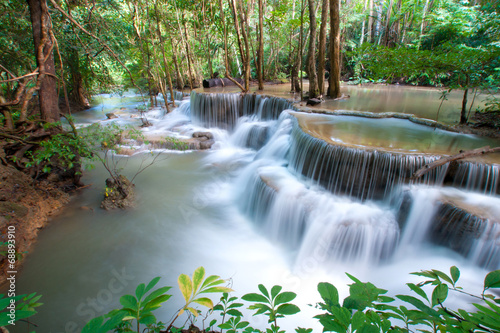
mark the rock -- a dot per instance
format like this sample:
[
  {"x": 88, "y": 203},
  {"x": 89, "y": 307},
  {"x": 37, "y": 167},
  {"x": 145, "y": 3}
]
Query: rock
[
  {"x": 314, "y": 101},
  {"x": 111, "y": 115},
  {"x": 207, "y": 135},
  {"x": 119, "y": 194},
  {"x": 206, "y": 144}
]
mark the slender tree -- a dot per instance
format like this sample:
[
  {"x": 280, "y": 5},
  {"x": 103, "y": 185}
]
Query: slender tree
[
  {"x": 322, "y": 46},
  {"x": 334, "y": 82},
  {"x": 311, "y": 59}
]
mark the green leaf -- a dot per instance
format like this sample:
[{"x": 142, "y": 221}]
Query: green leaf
[
  {"x": 218, "y": 290},
  {"x": 205, "y": 302},
  {"x": 92, "y": 326},
  {"x": 140, "y": 290},
  {"x": 253, "y": 297},
  {"x": 455, "y": 274},
  {"x": 186, "y": 286},
  {"x": 156, "y": 293},
  {"x": 152, "y": 283},
  {"x": 439, "y": 294},
  {"x": 418, "y": 290},
  {"x": 275, "y": 291},
  {"x": 492, "y": 280},
  {"x": 263, "y": 290},
  {"x": 129, "y": 301},
  {"x": 329, "y": 293},
  {"x": 443, "y": 276},
  {"x": 235, "y": 313},
  {"x": 285, "y": 297},
  {"x": 288, "y": 309},
  {"x": 198, "y": 276},
  {"x": 193, "y": 311},
  {"x": 211, "y": 280}
]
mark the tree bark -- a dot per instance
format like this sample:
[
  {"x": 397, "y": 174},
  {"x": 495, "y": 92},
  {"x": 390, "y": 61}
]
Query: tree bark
[
  {"x": 260, "y": 52},
  {"x": 180, "y": 81},
  {"x": 334, "y": 82},
  {"x": 322, "y": 47},
  {"x": 47, "y": 94},
  {"x": 311, "y": 59},
  {"x": 463, "y": 112},
  {"x": 442, "y": 161}
]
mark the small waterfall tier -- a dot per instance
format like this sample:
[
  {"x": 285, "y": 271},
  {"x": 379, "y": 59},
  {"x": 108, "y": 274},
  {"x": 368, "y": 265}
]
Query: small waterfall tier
[
  {"x": 468, "y": 223},
  {"x": 224, "y": 110},
  {"x": 367, "y": 170}
]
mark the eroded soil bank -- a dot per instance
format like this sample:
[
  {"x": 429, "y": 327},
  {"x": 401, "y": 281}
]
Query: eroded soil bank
[{"x": 25, "y": 207}]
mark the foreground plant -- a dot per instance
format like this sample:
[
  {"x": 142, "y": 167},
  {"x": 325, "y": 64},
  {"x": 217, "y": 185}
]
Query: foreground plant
[
  {"x": 366, "y": 309},
  {"x": 274, "y": 305}
]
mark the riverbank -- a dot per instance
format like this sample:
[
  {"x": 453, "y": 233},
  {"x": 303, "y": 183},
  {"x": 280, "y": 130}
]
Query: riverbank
[{"x": 25, "y": 208}]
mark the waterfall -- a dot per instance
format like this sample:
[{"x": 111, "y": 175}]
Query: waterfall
[
  {"x": 347, "y": 203},
  {"x": 224, "y": 110},
  {"x": 359, "y": 173},
  {"x": 477, "y": 177}
]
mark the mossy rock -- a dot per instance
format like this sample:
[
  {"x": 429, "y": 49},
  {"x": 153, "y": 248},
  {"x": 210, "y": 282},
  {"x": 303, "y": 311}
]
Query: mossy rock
[{"x": 119, "y": 193}]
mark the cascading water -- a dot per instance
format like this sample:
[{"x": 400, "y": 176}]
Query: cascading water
[{"x": 331, "y": 207}]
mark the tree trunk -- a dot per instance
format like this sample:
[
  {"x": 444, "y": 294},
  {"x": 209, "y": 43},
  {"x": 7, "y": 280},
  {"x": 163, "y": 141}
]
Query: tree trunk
[
  {"x": 334, "y": 86},
  {"x": 361, "y": 40},
  {"x": 463, "y": 112},
  {"x": 322, "y": 47},
  {"x": 260, "y": 52},
  {"x": 226, "y": 56},
  {"x": 180, "y": 81},
  {"x": 388, "y": 23},
  {"x": 311, "y": 59},
  {"x": 188, "y": 52},
  {"x": 370, "y": 23},
  {"x": 47, "y": 94}
]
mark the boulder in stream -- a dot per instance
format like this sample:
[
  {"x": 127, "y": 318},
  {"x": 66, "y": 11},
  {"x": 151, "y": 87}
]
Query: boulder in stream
[{"x": 119, "y": 194}]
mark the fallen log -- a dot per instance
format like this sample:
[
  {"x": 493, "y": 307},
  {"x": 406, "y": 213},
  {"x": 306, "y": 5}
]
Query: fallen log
[
  {"x": 209, "y": 83},
  {"x": 464, "y": 154}
]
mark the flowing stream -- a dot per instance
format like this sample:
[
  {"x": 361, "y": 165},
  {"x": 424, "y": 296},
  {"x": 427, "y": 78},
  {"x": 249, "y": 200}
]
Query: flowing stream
[{"x": 282, "y": 198}]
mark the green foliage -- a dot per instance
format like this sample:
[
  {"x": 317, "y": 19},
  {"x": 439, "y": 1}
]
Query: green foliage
[
  {"x": 192, "y": 288},
  {"x": 274, "y": 304},
  {"x": 367, "y": 310},
  {"x": 138, "y": 308},
  {"x": 19, "y": 307}
]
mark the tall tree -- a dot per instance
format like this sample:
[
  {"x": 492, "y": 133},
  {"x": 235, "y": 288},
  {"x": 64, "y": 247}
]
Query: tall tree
[
  {"x": 311, "y": 59},
  {"x": 322, "y": 46},
  {"x": 334, "y": 82},
  {"x": 260, "y": 52},
  {"x": 47, "y": 79}
]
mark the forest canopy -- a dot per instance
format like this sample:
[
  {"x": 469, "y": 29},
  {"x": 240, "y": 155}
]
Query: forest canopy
[{"x": 66, "y": 51}]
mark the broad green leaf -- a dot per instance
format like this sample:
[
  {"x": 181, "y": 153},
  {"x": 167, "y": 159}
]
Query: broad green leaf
[
  {"x": 205, "y": 302},
  {"x": 186, "y": 286},
  {"x": 140, "y": 290},
  {"x": 234, "y": 312},
  {"x": 129, "y": 301},
  {"x": 147, "y": 319},
  {"x": 492, "y": 280},
  {"x": 418, "y": 290},
  {"x": 443, "y": 276},
  {"x": 263, "y": 290},
  {"x": 287, "y": 309},
  {"x": 198, "y": 276},
  {"x": 152, "y": 283},
  {"x": 253, "y": 297},
  {"x": 439, "y": 294},
  {"x": 455, "y": 274},
  {"x": 92, "y": 326},
  {"x": 285, "y": 297},
  {"x": 242, "y": 324},
  {"x": 275, "y": 291},
  {"x": 358, "y": 319},
  {"x": 329, "y": 293},
  {"x": 155, "y": 303},
  {"x": 418, "y": 304},
  {"x": 156, "y": 293},
  {"x": 211, "y": 280}
]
